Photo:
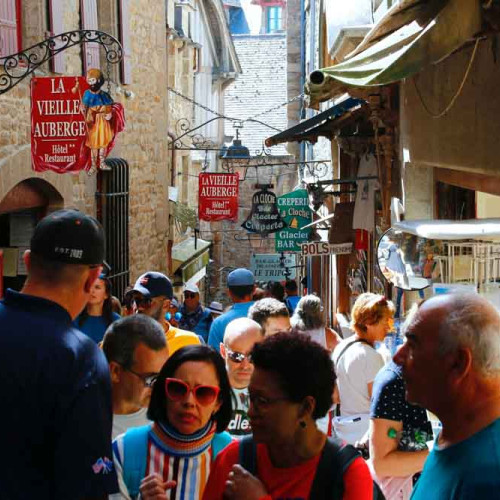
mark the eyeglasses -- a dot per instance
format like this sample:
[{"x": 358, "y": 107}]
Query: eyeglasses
[
  {"x": 178, "y": 390},
  {"x": 237, "y": 357},
  {"x": 262, "y": 403},
  {"x": 148, "y": 379},
  {"x": 189, "y": 295}
]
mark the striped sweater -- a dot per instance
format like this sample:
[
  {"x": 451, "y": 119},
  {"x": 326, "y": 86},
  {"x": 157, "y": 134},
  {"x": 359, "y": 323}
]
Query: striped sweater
[{"x": 190, "y": 472}]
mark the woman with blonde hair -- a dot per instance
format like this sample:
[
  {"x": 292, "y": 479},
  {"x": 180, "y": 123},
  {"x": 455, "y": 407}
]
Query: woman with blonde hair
[{"x": 357, "y": 363}]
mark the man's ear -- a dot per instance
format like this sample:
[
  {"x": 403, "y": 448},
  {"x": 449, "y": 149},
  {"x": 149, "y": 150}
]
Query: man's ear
[
  {"x": 115, "y": 371},
  {"x": 27, "y": 259},
  {"x": 222, "y": 349},
  {"x": 94, "y": 273},
  {"x": 462, "y": 364}
]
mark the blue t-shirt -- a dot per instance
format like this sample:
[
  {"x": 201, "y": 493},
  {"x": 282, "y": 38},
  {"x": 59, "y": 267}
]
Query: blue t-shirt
[
  {"x": 94, "y": 326},
  {"x": 56, "y": 413},
  {"x": 291, "y": 303},
  {"x": 469, "y": 470},
  {"x": 216, "y": 335}
]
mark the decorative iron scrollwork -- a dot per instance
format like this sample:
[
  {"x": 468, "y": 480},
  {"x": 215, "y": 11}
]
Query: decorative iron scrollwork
[{"x": 18, "y": 66}]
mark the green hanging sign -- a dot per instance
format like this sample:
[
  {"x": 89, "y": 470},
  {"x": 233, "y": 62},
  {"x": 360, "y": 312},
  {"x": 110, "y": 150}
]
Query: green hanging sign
[{"x": 294, "y": 210}]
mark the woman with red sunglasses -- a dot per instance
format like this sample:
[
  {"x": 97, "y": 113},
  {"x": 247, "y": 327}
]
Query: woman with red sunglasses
[{"x": 190, "y": 408}]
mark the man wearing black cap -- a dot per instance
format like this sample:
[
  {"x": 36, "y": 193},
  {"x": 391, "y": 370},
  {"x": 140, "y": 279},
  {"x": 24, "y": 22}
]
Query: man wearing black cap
[
  {"x": 241, "y": 285},
  {"x": 57, "y": 416},
  {"x": 153, "y": 293}
]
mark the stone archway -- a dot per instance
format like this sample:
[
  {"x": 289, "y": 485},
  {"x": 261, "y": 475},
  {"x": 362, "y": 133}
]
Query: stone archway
[
  {"x": 31, "y": 193},
  {"x": 16, "y": 168}
]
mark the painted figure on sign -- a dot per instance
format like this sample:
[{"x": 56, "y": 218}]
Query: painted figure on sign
[{"x": 104, "y": 119}]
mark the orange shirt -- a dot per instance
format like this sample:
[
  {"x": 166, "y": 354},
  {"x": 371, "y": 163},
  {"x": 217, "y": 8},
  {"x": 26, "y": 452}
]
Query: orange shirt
[{"x": 287, "y": 483}]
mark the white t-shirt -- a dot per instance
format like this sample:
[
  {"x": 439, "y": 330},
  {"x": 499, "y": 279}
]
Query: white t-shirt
[
  {"x": 123, "y": 422},
  {"x": 357, "y": 367}
]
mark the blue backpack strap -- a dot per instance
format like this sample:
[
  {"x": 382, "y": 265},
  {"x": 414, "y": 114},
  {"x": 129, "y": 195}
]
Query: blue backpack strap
[
  {"x": 219, "y": 442},
  {"x": 135, "y": 455}
]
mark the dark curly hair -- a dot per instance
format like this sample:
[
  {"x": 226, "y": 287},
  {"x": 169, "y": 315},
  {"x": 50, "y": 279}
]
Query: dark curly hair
[
  {"x": 303, "y": 368},
  {"x": 157, "y": 411}
]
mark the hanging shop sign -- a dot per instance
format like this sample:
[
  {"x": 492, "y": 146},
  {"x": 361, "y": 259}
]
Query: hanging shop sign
[
  {"x": 271, "y": 267},
  {"x": 295, "y": 211},
  {"x": 73, "y": 123},
  {"x": 218, "y": 197},
  {"x": 264, "y": 217},
  {"x": 318, "y": 248}
]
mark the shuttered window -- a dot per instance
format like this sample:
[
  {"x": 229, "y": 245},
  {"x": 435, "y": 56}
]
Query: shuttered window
[
  {"x": 10, "y": 27},
  {"x": 124, "y": 20},
  {"x": 56, "y": 27},
  {"x": 88, "y": 11}
]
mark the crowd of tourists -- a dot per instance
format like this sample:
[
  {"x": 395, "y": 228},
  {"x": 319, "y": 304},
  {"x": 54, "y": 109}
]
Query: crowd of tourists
[{"x": 162, "y": 398}]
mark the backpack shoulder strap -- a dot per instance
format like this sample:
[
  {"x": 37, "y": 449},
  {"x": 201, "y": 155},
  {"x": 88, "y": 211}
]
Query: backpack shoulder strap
[
  {"x": 335, "y": 459},
  {"x": 248, "y": 454},
  {"x": 135, "y": 455},
  {"x": 219, "y": 442}
]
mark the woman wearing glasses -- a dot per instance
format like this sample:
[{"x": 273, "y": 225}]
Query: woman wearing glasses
[
  {"x": 288, "y": 456},
  {"x": 357, "y": 363},
  {"x": 190, "y": 408},
  {"x": 98, "y": 313}
]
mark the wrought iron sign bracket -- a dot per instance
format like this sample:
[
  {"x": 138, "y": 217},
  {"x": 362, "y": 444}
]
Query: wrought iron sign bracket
[{"x": 19, "y": 66}]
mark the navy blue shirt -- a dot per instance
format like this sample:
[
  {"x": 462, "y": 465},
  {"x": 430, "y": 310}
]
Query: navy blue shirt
[
  {"x": 389, "y": 402},
  {"x": 56, "y": 413}
]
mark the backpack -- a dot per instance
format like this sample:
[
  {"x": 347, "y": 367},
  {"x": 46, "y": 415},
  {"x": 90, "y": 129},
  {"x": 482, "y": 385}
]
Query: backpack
[
  {"x": 135, "y": 454},
  {"x": 336, "y": 455}
]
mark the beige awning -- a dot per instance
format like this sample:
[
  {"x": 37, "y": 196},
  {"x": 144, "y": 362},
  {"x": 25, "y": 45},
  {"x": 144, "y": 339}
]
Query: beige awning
[{"x": 413, "y": 34}]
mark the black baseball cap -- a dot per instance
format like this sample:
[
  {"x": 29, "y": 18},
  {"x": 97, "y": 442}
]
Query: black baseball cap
[
  {"x": 154, "y": 284},
  {"x": 69, "y": 236}
]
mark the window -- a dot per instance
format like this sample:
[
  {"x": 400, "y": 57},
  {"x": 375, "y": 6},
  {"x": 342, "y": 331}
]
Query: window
[
  {"x": 56, "y": 11},
  {"x": 10, "y": 27},
  {"x": 88, "y": 13},
  {"x": 274, "y": 21},
  {"x": 178, "y": 20}
]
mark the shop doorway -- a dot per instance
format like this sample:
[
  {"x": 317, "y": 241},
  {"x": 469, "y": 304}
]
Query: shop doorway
[
  {"x": 455, "y": 203},
  {"x": 20, "y": 210}
]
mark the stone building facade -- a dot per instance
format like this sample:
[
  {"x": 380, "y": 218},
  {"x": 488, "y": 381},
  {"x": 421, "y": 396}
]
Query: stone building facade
[{"x": 141, "y": 25}]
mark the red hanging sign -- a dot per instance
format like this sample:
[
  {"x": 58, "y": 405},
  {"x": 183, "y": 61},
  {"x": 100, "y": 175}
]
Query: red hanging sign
[
  {"x": 218, "y": 197},
  {"x": 63, "y": 126}
]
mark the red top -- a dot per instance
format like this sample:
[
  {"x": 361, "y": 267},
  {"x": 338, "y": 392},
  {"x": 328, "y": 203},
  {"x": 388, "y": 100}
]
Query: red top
[{"x": 287, "y": 483}]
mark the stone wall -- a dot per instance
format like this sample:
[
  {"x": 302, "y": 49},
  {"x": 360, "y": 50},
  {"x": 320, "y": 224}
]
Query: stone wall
[{"x": 143, "y": 143}]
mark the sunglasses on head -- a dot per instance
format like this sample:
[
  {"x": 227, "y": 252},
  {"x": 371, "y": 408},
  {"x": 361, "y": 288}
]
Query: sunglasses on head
[
  {"x": 189, "y": 295},
  {"x": 177, "y": 390},
  {"x": 237, "y": 357}
]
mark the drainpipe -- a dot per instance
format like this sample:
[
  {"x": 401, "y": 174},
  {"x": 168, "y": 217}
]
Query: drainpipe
[{"x": 170, "y": 241}]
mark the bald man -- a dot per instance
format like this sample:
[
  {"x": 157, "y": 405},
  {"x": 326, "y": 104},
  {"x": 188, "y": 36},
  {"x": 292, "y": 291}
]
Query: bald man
[
  {"x": 451, "y": 366},
  {"x": 239, "y": 338}
]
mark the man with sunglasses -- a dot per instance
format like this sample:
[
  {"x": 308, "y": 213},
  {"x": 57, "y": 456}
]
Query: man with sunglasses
[
  {"x": 239, "y": 338},
  {"x": 153, "y": 294},
  {"x": 136, "y": 350},
  {"x": 195, "y": 318},
  {"x": 56, "y": 399},
  {"x": 241, "y": 285}
]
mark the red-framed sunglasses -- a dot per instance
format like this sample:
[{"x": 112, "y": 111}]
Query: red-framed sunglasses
[{"x": 177, "y": 390}]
